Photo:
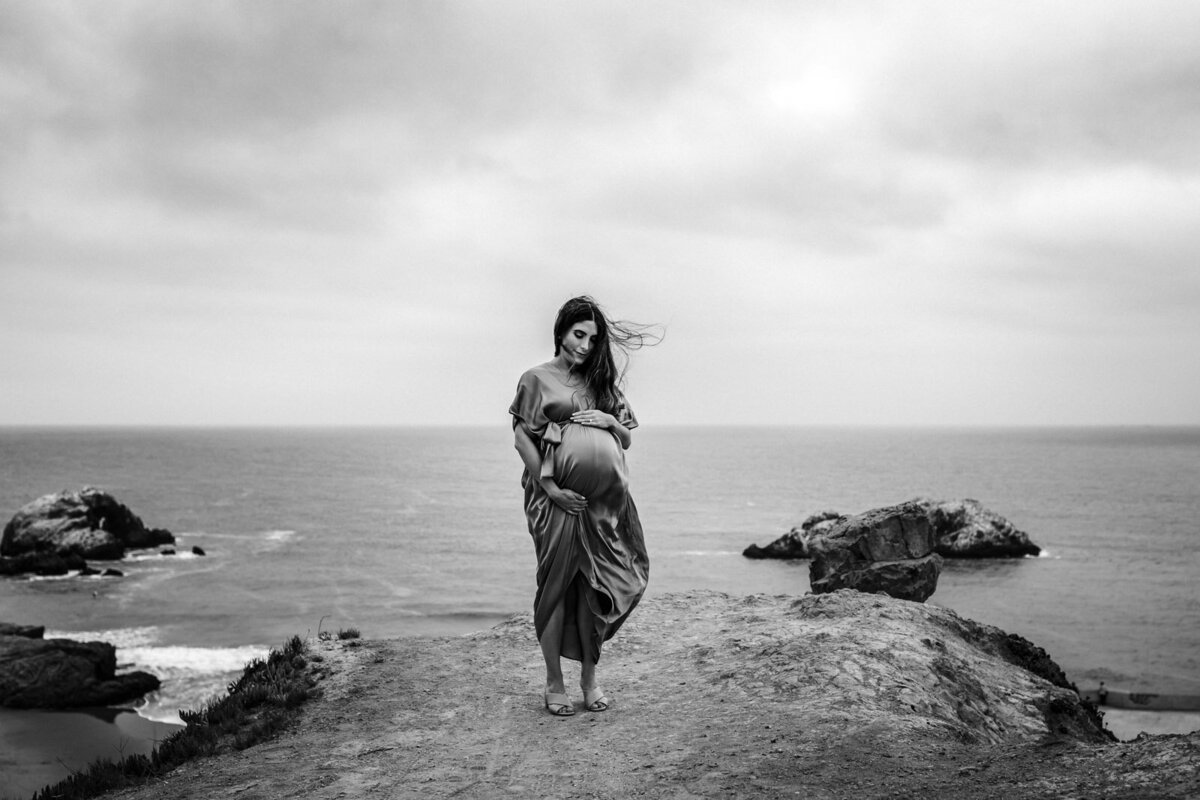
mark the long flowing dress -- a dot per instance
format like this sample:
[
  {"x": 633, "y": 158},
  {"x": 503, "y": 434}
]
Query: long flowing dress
[{"x": 597, "y": 557}]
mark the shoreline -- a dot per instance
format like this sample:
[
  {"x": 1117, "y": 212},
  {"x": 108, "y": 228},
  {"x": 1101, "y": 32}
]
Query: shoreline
[
  {"x": 40, "y": 747},
  {"x": 1127, "y": 724}
]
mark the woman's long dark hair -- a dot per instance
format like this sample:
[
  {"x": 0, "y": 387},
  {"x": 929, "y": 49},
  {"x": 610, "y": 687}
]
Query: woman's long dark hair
[{"x": 600, "y": 371}]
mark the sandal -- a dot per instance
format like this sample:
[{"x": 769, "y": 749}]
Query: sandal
[
  {"x": 594, "y": 700},
  {"x": 558, "y": 704}
]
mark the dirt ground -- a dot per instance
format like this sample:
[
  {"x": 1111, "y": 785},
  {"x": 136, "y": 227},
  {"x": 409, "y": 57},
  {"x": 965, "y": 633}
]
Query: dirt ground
[{"x": 462, "y": 717}]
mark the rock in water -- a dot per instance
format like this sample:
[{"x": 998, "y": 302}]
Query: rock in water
[
  {"x": 886, "y": 550},
  {"x": 965, "y": 529},
  {"x": 28, "y": 631},
  {"x": 961, "y": 528},
  {"x": 795, "y": 543},
  {"x": 47, "y": 563},
  {"x": 61, "y": 673},
  {"x": 88, "y": 523}
]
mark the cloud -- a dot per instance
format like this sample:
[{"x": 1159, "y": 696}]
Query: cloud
[
  {"x": 1017, "y": 86},
  {"x": 314, "y": 212}
]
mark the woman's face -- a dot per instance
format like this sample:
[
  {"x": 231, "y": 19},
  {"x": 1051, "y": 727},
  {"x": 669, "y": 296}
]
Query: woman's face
[{"x": 577, "y": 342}]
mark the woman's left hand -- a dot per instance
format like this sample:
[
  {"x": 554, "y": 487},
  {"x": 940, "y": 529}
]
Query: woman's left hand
[{"x": 594, "y": 418}]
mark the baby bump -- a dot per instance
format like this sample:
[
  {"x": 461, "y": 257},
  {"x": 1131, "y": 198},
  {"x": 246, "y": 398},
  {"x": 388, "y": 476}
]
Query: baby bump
[{"x": 589, "y": 461}]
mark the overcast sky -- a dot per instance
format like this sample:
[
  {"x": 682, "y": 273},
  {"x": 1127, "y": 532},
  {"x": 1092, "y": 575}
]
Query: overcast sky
[{"x": 368, "y": 213}]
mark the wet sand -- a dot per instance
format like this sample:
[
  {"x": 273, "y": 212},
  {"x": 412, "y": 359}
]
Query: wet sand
[
  {"x": 43, "y": 747},
  {"x": 1126, "y": 725}
]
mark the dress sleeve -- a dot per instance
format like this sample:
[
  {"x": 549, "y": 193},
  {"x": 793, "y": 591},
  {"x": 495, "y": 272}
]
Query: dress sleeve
[
  {"x": 625, "y": 414},
  {"x": 527, "y": 407}
]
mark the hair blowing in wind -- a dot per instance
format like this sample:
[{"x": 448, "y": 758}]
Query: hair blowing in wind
[{"x": 615, "y": 339}]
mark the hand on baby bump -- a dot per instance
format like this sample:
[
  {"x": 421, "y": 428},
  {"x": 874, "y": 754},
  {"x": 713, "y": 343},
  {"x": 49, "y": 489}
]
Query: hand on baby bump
[
  {"x": 593, "y": 418},
  {"x": 569, "y": 501}
]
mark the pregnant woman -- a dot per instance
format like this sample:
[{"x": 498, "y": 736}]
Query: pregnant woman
[{"x": 572, "y": 425}]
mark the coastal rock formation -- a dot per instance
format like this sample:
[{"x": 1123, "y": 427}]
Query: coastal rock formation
[
  {"x": 62, "y": 673},
  {"x": 41, "y": 563},
  {"x": 962, "y": 529},
  {"x": 795, "y": 543},
  {"x": 884, "y": 550},
  {"x": 89, "y": 523},
  {"x": 965, "y": 529},
  {"x": 28, "y": 631}
]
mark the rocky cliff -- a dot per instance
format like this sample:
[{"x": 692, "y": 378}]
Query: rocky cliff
[{"x": 821, "y": 696}]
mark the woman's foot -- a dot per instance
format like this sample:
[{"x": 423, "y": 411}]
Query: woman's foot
[
  {"x": 594, "y": 700},
  {"x": 558, "y": 703}
]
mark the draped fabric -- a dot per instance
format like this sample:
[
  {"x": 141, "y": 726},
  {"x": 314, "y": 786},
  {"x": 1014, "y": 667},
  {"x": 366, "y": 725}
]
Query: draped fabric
[{"x": 598, "y": 557}]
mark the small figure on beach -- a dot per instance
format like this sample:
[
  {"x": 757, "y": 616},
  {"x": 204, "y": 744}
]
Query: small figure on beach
[
  {"x": 1102, "y": 694},
  {"x": 571, "y": 426}
]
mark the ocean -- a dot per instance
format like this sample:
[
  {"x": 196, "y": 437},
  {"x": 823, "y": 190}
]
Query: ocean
[{"x": 411, "y": 531}]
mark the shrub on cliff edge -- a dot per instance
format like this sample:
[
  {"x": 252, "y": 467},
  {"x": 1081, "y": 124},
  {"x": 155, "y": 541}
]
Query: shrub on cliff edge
[{"x": 258, "y": 705}]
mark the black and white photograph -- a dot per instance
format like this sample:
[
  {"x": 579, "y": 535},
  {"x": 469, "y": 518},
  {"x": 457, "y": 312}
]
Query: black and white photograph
[{"x": 560, "y": 399}]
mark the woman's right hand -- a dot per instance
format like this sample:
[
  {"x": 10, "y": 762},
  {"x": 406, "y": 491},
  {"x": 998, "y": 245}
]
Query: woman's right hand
[{"x": 569, "y": 501}]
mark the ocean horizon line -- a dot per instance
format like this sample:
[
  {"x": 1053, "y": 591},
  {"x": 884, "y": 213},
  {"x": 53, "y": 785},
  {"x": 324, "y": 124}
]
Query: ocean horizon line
[{"x": 403, "y": 426}]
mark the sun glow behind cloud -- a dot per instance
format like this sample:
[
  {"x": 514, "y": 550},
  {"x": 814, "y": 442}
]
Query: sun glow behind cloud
[{"x": 820, "y": 96}]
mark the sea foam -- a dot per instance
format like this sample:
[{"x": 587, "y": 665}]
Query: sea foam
[{"x": 190, "y": 675}]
